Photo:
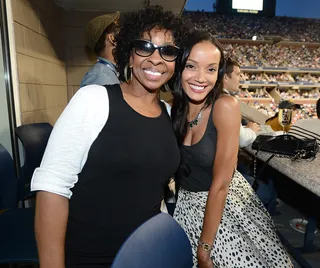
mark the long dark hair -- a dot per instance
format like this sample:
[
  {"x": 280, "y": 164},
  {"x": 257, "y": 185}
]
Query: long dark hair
[{"x": 180, "y": 107}]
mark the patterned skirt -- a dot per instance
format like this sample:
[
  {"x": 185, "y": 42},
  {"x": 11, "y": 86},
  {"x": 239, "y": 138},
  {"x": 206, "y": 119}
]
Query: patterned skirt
[{"x": 246, "y": 236}]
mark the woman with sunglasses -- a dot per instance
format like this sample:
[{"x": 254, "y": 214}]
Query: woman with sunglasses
[
  {"x": 225, "y": 221},
  {"x": 111, "y": 152}
]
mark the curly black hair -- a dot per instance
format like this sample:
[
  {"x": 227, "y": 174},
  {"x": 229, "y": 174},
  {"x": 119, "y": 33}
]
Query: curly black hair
[{"x": 134, "y": 24}]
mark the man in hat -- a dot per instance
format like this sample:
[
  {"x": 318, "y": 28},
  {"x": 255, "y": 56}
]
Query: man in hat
[
  {"x": 100, "y": 39},
  {"x": 273, "y": 122}
]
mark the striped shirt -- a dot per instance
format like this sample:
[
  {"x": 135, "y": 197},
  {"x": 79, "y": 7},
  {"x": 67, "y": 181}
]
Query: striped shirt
[{"x": 306, "y": 128}]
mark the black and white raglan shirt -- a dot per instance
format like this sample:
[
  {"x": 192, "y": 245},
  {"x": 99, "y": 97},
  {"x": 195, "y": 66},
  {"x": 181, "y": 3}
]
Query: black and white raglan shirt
[{"x": 112, "y": 163}]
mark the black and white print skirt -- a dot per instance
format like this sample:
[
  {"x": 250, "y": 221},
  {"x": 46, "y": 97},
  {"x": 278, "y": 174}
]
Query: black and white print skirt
[{"x": 246, "y": 236}]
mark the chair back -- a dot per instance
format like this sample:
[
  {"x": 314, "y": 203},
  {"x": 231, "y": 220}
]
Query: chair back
[
  {"x": 34, "y": 138},
  {"x": 8, "y": 180},
  {"x": 17, "y": 242},
  {"x": 159, "y": 242}
]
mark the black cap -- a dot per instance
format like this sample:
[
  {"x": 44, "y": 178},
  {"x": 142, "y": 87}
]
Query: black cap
[{"x": 288, "y": 105}]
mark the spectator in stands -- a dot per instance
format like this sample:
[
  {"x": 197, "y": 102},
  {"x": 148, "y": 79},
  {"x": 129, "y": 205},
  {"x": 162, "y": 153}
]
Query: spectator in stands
[
  {"x": 100, "y": 36},
  {"x": 307, "y": 128},
  {"x": 273, "y": 122},
  {"x": 231, "y": 82}
]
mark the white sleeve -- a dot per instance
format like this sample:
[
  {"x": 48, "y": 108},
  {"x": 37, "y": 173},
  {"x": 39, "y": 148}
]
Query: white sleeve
[
  {"x": 70, "y": 141},
  {"x": 168, "y": 107},
  {"x": 247, "y": 136}
]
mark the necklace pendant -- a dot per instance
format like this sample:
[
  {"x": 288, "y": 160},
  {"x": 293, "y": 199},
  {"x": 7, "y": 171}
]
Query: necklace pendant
[{"x": 195, "y": 121}]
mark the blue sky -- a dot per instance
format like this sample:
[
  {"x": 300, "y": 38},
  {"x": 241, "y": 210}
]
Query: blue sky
[{"x": 290, "y": 8}]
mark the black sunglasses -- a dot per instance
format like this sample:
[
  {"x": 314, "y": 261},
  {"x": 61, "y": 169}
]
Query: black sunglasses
[{"x": 145, "y": 48}]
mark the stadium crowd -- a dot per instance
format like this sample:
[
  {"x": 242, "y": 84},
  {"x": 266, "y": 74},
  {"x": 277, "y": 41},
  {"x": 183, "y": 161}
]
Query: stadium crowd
[
  {"x": 268, "y": 55},
  {"x": 274, "y": 55},
  {"x": 245, "y": 27},
  {"x": 279, "y": 77}
]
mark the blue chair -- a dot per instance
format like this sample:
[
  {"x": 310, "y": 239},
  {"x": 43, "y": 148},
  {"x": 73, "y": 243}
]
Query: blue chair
[
  {"x": 160, "y": 242},
  {"x": 17, "y": 239},
  {"x": 8, "y": 181},
  {"x": 34, "y": 138}
]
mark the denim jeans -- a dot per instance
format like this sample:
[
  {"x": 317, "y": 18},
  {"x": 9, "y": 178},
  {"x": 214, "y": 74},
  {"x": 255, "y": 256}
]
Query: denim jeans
[{"x": 264, "y": 191}]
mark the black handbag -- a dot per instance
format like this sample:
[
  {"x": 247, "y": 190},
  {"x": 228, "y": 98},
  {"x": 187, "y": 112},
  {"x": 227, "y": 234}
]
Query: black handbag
[
  {"x": 287, "y": 146},
  {"x": 284, "y": 146}
]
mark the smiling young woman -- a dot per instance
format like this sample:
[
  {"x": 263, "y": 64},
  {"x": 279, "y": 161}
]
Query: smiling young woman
[{"x": 225, "y": 221}]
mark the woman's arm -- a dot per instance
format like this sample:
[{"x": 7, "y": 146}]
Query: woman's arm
[
  {"x": 50, "y": 227},
  {"x": 226, "y": 118},
  {"x": 65, "y": 155}
]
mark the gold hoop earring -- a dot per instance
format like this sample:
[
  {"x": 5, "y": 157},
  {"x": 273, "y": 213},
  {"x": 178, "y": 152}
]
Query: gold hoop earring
[{"x": 127, "y": 76}]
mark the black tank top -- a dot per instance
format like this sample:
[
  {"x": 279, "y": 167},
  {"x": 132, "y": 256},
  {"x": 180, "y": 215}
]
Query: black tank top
[
  {"x": 200, "y": 158},
  {"x": 121, "y": 184}
]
